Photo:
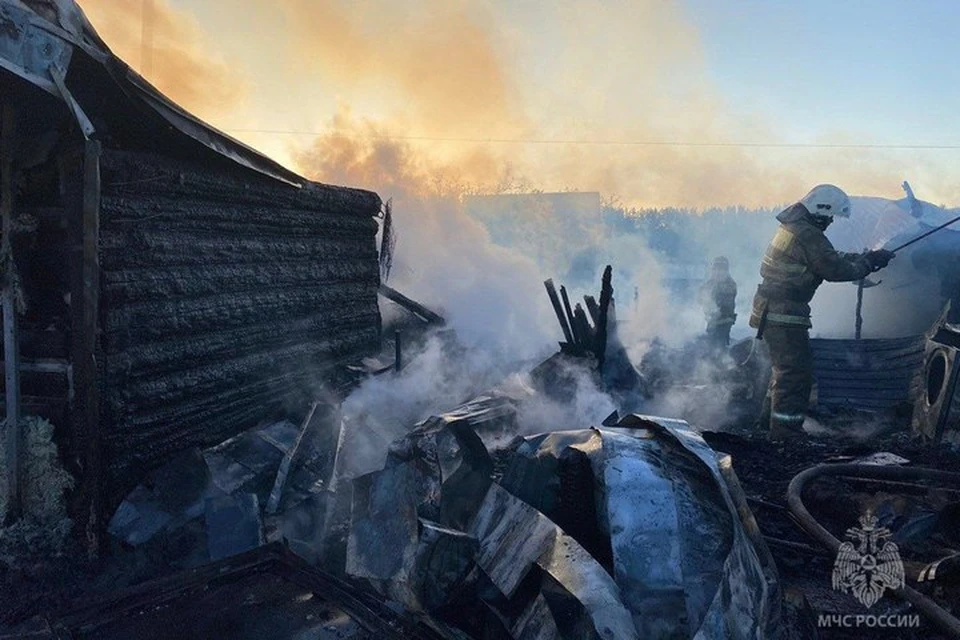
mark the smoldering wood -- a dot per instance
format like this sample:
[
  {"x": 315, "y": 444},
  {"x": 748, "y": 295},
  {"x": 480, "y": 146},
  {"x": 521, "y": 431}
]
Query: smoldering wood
[
  {"x": 160, "y": 603},
  {"x": 86, "y": 381},
  {"x": 583, "y": 328},
  {"x": 592, "y": 308},
  {"x": 413, "y": 306},
  {"x": 606, "y": 295},
  {"x": 8, "y": 122},
  {"x": 388, "y": 242},
  {"x": 561, "y": 316},
  {"x": 136, "y": 175},
  {"x": 227, "y": 299},
  {"x": 577, "y": 337},
  {"x": 81, "y": 187}
]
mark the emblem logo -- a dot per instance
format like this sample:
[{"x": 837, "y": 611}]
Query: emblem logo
[{"x": 867, "y": 563}]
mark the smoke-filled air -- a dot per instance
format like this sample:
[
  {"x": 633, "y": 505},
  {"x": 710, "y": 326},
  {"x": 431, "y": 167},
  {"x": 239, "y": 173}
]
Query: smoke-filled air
[{"x": 517, "y": 144}]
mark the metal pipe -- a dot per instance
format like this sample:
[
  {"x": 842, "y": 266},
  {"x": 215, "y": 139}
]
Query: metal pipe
[{"x": 934, "y": 612}]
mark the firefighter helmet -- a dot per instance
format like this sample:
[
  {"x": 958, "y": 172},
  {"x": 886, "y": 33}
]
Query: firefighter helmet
[{"x": 827, "y": 200}]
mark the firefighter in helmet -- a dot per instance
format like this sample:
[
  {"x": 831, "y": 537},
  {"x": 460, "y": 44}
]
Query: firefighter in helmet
[
  {"x": 718, "y": 297},
  {"x": 798, "y": 259}
]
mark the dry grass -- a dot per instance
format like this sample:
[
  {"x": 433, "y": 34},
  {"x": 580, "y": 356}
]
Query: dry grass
[{"x": 44, "y": 527}]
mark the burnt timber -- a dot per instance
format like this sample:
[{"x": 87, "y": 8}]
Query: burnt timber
[{"x": 180, "y": 287}]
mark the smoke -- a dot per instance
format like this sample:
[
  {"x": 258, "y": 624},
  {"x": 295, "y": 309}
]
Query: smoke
[
  {"x": 439, "y": 64},
  {"x": 607, "y": 83},
  {"x": 424, "y": 93},
  {"x": 444, "y": 259},
  {"x": 184, "y": 64},
  {"x": 451, "y": 77}
]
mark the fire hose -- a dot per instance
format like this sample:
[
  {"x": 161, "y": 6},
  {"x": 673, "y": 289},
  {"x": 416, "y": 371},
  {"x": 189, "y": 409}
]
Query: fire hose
[{"x": 930, "y": 609}]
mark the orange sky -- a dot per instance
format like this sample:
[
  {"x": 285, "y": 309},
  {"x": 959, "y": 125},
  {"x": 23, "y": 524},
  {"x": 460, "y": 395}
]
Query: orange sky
[{"x": 408, "y": 94}]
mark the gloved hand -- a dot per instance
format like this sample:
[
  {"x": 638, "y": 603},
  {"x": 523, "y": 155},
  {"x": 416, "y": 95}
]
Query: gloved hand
[{"x": 879, "y": 258}]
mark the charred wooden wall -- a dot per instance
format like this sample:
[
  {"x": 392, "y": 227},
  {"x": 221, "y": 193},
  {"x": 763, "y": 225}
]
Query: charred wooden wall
[{"x": 225, "y": 299}]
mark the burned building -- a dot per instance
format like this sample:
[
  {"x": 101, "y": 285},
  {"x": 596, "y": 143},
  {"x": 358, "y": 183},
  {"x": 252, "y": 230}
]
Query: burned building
[{"x": 177, "y": 286}]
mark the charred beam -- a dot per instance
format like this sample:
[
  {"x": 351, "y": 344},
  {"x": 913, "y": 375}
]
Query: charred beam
[
  {"x": 80, "y": 176},
  {"x": 606, "y": 294},
  {"x": 10, "y": 338},
  {"x": 577, "y": 336},
  {"x": 411, "y": 305},
  {"x": 555, "y": 301},
  {"x": 583, "y": 327},
  {"x": 593, "y": 308}
]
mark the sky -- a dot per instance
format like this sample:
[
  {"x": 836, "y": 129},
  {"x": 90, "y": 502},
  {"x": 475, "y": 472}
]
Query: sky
[{"x": 650, "y": 102}]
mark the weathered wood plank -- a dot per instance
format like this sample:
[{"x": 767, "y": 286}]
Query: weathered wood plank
[
  {"x": 411, "y": 305},
  {"x": 85, "y": 372},
  {"x": 11, "y": 344},
  {"x": 140, "y": 175},
  {"x": 561, "y": 316},
  {"x": 226, "y": 300}
]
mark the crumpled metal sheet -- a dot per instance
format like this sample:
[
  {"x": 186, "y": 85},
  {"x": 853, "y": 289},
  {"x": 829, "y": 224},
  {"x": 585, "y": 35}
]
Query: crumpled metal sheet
[
  {"x": 408, "y": 521},
  {"x": 30, "y": 50},
  {"x": 514, "y": 537},
  {"x": 639, "y": 530},
  {"x": 746, "y": 601},
  {"x": 170, "y": 497},
  {"x": 682, "y": 557},
  {"x": 442, "y": 471}
]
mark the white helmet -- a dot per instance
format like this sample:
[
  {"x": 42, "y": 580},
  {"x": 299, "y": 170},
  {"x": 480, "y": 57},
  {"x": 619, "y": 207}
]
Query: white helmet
[{"x": 827, "y": 200}]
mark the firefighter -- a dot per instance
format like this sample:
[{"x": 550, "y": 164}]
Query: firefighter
[
  {"x": 797, "y": 260},
  {"x": 718, "y": 297}
]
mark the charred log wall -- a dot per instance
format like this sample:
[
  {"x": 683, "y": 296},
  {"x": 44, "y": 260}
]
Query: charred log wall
[{"x": 226, "y": 299}]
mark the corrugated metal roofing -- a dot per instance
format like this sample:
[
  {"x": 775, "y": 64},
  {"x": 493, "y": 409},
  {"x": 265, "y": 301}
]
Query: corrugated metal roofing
[{"x": 871, "y": 374}]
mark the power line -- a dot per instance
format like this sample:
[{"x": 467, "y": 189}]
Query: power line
[{"x": 622, "y": 143}]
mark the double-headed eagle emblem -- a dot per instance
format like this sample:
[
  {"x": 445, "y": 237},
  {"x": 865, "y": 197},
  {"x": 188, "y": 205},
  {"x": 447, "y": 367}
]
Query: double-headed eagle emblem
[{"x": 868, "y": 563}]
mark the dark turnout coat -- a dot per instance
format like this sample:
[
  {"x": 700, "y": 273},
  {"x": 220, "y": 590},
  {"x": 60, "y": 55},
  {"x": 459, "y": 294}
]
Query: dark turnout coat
[
  {"x": 798, "y": 260},
  {"x": 718, "y": 297}
]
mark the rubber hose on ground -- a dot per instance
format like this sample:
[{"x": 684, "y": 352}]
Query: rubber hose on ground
[{"x": 934, "y": 612}]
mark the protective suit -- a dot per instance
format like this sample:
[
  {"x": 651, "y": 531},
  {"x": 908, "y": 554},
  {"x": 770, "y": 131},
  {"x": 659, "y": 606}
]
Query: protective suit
[
  {"x": 797, "y": 261},
  {"x": 718, "y": 297}
]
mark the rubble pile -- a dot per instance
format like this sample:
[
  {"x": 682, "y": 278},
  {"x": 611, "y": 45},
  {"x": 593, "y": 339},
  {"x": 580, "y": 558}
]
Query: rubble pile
[
  {"x": 621, "y": 532},
  {"x": 631, "y": 530}
]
